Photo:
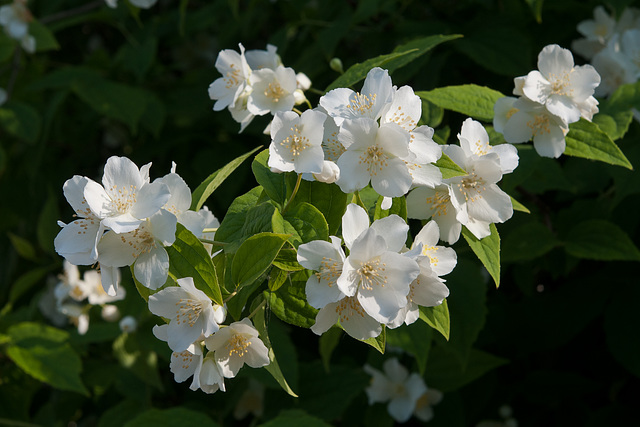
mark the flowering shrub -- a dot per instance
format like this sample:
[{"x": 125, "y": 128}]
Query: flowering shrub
[{"x": 299, "y": 233}]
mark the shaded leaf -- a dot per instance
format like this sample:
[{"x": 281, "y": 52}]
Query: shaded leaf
[
  {"x": 586, "y": 140},
  {"x": 487, "y": 250},
  {"x": 437, "y": 317},
  {"x": 600, "y": 240}
]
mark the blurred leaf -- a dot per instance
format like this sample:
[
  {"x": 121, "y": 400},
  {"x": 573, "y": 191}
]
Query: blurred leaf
[
  {"x": 294, "y": 418},
  {"x": 20, "y": 120},
  {"x": 471, "y": 100},
  {"x": 254, "y": 256},
  {"x": 437, "y": 317},
  {"x": 448, "y": 167},
  {"x": 487, "y": 250},
  {"x": 446, "y": 374},
  {"x": 117, "y": 415},
  {"x": 416, "y": 49},
  {"x": 529, "y": 241},
  {"x": 600, "y": 240},
  {"x": 290, "y": 304},
  {"x": 621, "y": 322},
  {"x": 171, "y": 417},
  {"x": 536, "y": 9},
  {"x": 308, "y": 221},
  {"x": 43, "y": 352},
  {"x": 189, "y": 258},
  {"x": 23, "y": 247},
  {"x": 213, "y": 181},
  {"x": 273, "y": 368},
  {"x": 154, "y": 115},
  {"x": 143, "y": 363},
  {"x": 45, "y": 40},
  {"x": 500, "y": 48},
  {"x": 432, "y": 115},
  {"x": 327, "y": 344},
  {"x": 7, "y": 47},
  {"x": 414, "y": 339},
  {"x": 47, "y": 228},
  {"x": 27, "y": 281},
  {"x": 586, "y": 140},
  {"x": 138, "y": 57}
]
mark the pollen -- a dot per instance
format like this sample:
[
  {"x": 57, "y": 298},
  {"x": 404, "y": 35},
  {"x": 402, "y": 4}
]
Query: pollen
[
  {"x": 430, "y": 251},
  {"x": 540, "y": 124},
  {"x": 362, "y": 104},
  {"x": 349, "y": 307},
  {"x": 482, "y": 148},
  {"x": 296, "y": 143},
  {"x": 238, "y": 345},
  {"x": 188, "y": 311},
  {"x": 403, "y": 120},
  {"x": 560, "y": 83},
  {"x": 232, "y": 78},
  {"x": 330, "y": 270},
  {"x": 372, "y": 273},
  {"x": 375, "y": 159},
  {"x": 471, "y": 186},
  {"x": 274, "y": 92},
  {"x": 439, "y": 203},
  {"x": 123, "y": 198}
]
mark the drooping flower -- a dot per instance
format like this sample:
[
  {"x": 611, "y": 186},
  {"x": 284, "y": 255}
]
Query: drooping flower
[
  {"x": 190, "y": 312},
  {"x": 352, "y": 317},
  {"x": 435, "y": 203},
  {"x": 272, "y": 90},
  {"x": 235, "y": 345},
  {"x": 235, "y": 74},
  {"x": 396, "y": 386},
  {"x": 326, "y": 259},
  {"x": 296, "y": 142}
]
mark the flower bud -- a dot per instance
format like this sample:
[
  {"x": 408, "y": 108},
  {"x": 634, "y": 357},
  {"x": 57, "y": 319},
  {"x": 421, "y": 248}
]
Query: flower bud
[
  {"x": 336, "y": 65},
  {"x": 110, "y": 313},
  {"x": 128, "y": 324}
]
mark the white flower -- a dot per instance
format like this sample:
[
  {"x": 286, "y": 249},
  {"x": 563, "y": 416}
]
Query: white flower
[
  {"x": 343, "y": 103},
  {"x": 474, "y": 140},
  {"x": 15, "y": 19},
  {"x": 144, "y": 246},
  {"x": 326, "y": 259},
  {"x": 235, "y": 71},
  {"x": 110, "y": 313},
  {"x": 374, "y": 154},
  {"x": 530, "y": 120},
  {"x": 259, "y": 59},
  {"x": 296, "y": 142},
  {"x": 599, "y": 29},
  {"x": 353, "y": 319},
  {"x": 435, "y": 203},
  {"x": 272, "y": 90},
  {"x": 442, "y": 259},
  {"x": 424, "y": 410},
  {"x": 560, "y": 86},
  {"x": 236, "y": 345},
  {"x": 127, "y": 198},
  {"x": 210, "y": 222},
  {"x": 396, "y": 386},
  {"x": 142, "y": 4},
  {"x": 95, "y": 291},
  {"x": 374, "y": 271},
  {"x": 180, "y": 202},
  {"x": 190, "y": 312},
  {"x": 615, "y": 67},
  {"x": 128, "y": 324},
  {"x": 251, "y": 401},
  {"x": 240, "y": 112}
]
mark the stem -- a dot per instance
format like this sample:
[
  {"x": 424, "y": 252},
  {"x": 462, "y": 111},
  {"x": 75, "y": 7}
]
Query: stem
[
  {"x": 175, "y": 279},
  {"x": 212, "y": 242},
  {"x": 209, "y": 230},
  {"x": 295, "y": 190},
  {"x": 231, "y": 295},
  {"x": 258, "y": 308},
  {"x": 316, "y": 91},
  {"x": 359, "y": 202},
  {"x": 71, "y": 12},
  {"x": 297, "y": 111},
  {"x": 308, "y": 104}
]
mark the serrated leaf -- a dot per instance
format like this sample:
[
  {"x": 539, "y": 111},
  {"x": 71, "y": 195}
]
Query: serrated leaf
[
  {"x": 586, "y": 140},
  {"x": 487, "y": 250},
  {"x": 273, "y": 368},
  {"x": 189, "y": 258},
  {"x": 471, "y": 100},
  {"x": 517, "y": 206},
  {"x": 449, "y": 168},
  {"x": 254, "y": 256},
  {"x": 600, "y": 240},
  {"x": 437, "y": 317},
  {"x": 308, "y": 221},
  {"x": 213, "y": 181},
  {"x": 21, "y": 121}
]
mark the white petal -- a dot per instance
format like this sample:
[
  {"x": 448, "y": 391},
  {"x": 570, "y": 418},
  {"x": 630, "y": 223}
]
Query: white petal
[
  {"x": 152, "y": 268},
  {"x": 354, "y": 222}
]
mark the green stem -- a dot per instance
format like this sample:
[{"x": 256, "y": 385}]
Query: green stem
[
  {"x": 209, "y": 230},
  {"x": 231, "y": 295},
  {"x": 295, "y": 190},
  {"x": 316, "y": 91},
  {"x": 358, "y": 201},
  {"x": 258, "y": 308},
  {"x": 297, "y": 111},
  {"x": 212, "y": 242}
]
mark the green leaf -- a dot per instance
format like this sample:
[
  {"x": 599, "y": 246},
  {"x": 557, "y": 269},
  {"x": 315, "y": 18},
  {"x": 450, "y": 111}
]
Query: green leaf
[
  {"x": 232, "y": 226},
  {"x": 44, "y": 353},
  {"x": 287, "y": 260},
  {"x": 254, "y": 256},
  {"x": 154, "y": 114},
  {"x": 328, "y": 198},
  {"x": 213, "y": 181},
  {"x": 527, "y": 242},
  {"x": 21, "y": 121},
  {"x": 28, "y": 280},
  {"x": 437, "y": 317},
  {"x": 273, "y": 368},
  {"x": 294, "y": 418},
  {"x": 414, "y": 339},
  {"x": 487, "y": 250},
  {"x": 7, "y": 46},
  {"x": 517, "y": 206},
  {"x": 600, "y": 240},
  {"x": 446, "y": 374},
  {"x": 308, "y": 221},
  {"x": 290, "y": 304},
  {"x": 171, "y": 417},
  {"x": 615, "y": 125},
  {"x": 327, "y": 344},
  {"x": 278, "y": 186},
  {"x": 138, "y": 57},
  {"x": 359, "y": 71},
  {"x": 470, "y": 100},
  {"x": 47, "y": 228},
  {"x": 449, "y": 168},
  {"x": 586, "y": 140},
  {"x": 621, "y": 322},
  {"x": 432, "y": 115},
  {"x": 416, "y": 49},
  {"x": 536, "y": 9},
  {"x": 189, "y": 258},
  {"x": 378, "y": 342},
  {"x": 45, "y": 40},
  {"x": 277, "y": 278},
  {"x": 23, "y": 247}
]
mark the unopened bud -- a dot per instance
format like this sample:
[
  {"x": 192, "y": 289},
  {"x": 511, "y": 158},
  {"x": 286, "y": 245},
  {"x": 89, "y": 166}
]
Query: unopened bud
[{"x": 336, "y": 65}]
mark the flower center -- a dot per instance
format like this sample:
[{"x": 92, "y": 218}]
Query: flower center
[
  {"x": 375, "y": 159},
  {"x": 332, "y": 148},
  {"x": 330, "y": 270},
  {"x": 238, "y": 345},
  {"x": 540, "y": 124},
  {"x": 439, "y": 203},
  {"x": 232, "y": 79},
  {"x": 348, "y": 307},
  {"x": 403, "y": 120},
  {"x": 188, "y": 311},
  {"x": 559, "y": 84},
  {"x": 296, "y": 142},
  {"x": 430, "y": 251},
  {"x": 140, "y": 240},
  {"x": 123, "y": 198},
  {"x": 371, "y": 273},
  {"x": 511, "y": 112},
  {"x": 274, "y": 91},
  {"x": 471, "y": 186},
  {"x": 482, "y": 148},
  {"x": 186, "y": 357},
  {"x": 422, "y": 402},
  {"x": 362, "y": 104}
]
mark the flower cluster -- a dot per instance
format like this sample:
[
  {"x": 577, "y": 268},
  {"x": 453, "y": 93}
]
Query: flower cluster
[
  {"x": 255, "y": 83},
  {"x": 128, "y": 220},
  {"x": 407, "y": 394},
  {"x": 549, "y": 100},
  {"x": 376, "y": 284},
  {"x": 613, "y": 47},
  {"x": 194, "y": 322},
  {"x": 71, "y": 298},
  {"x": 474, "y": 199},
  {"x": 15, "y": 18}
]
